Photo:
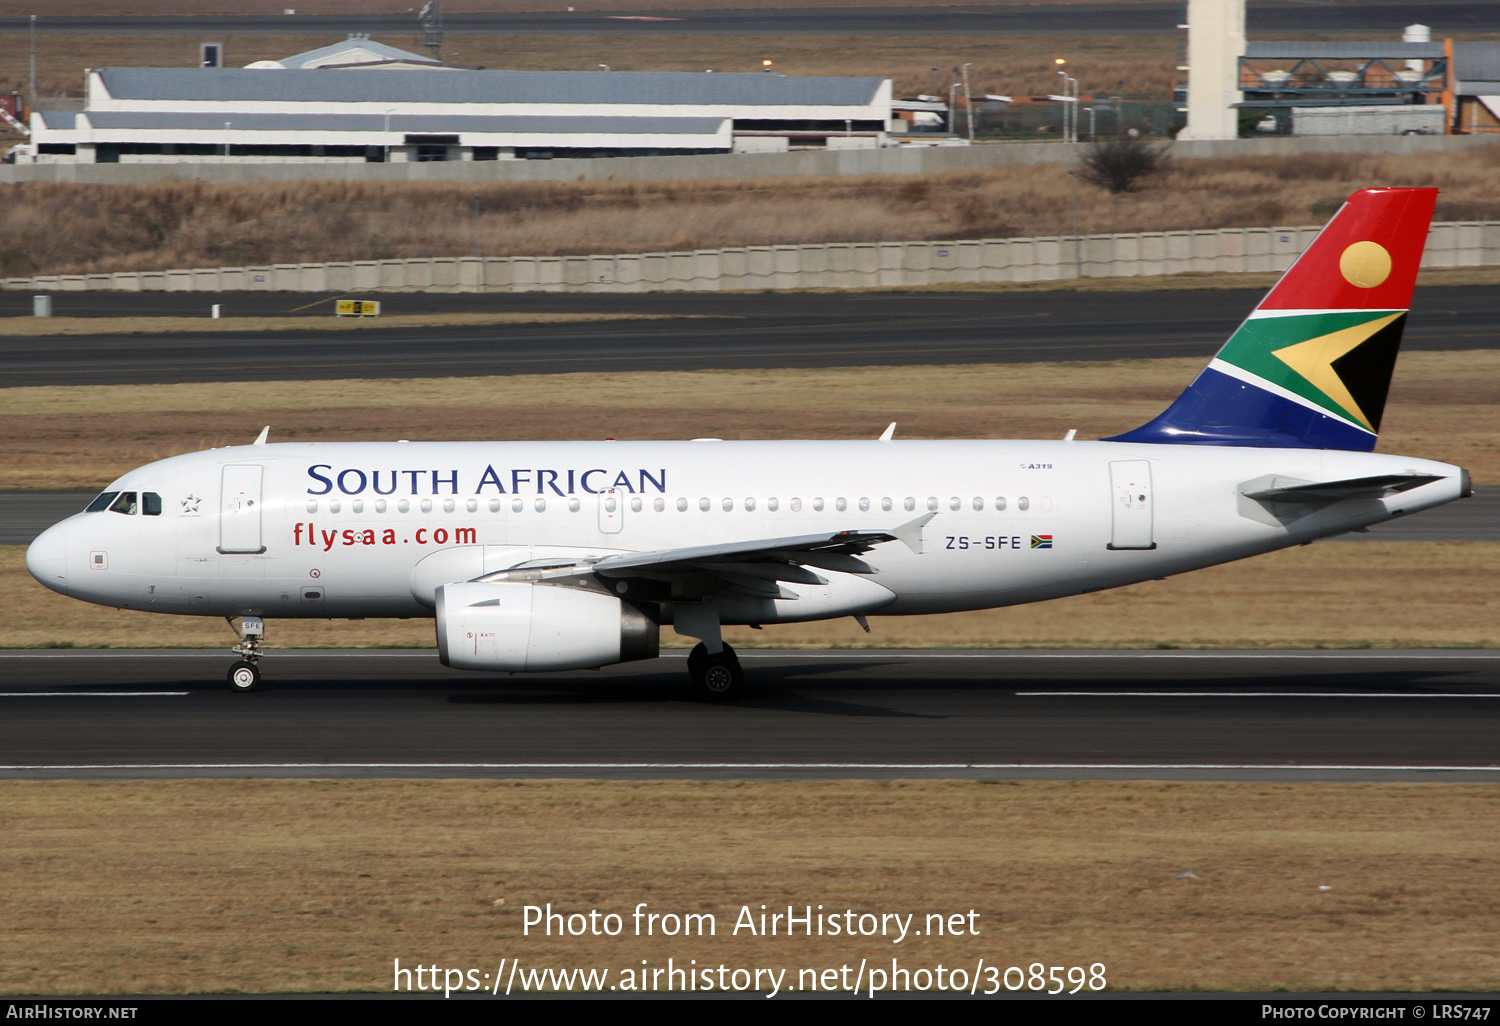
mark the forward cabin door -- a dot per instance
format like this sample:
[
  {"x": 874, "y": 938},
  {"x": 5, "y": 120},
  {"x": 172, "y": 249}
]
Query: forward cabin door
[
  {"x": 1131, "y": 509},
  {"x": 239, "y": 510},
  {"x": 611, "y": 511}
]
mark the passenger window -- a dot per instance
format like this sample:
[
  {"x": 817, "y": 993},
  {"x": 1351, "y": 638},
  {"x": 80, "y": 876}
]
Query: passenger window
[
  {"x": 516, "y": 505},
  {"x": 426, "y": 505},
  {"x": 379, "y": 505},
  {"x": 335, "y": 506},
  {"x": 864, "y": 504},
  {"x": 126, "y": 503},
  {"x": 658, "y": 504},
  {"x": 541, "y": 505},
  {"x": 704, "y": 504},
  {"x": 447, "y": 506},
  {"x": 152, "y": 504},
  {"x": 885, "y": 503},
  {"x": 682, "y": 505},
  {"x": 932, "y": 502},
  {"x": 728, "y": 505},
  {"x": 103, "y": 501},
  {"x": 910, "y": 504},
  {"x": 818, "y": 504},
  {"x": 955, "y": 503},
  {"x": 574, "y": 505},
  {"x": 978, "y": 504},
  {"x": 749, "y": 505},
  {"x": 635, "y": 505},
  {"x": 358, "y": 505},
  {"x": 841, "y": 505},
  {"x": 403, "y": 506},
  {"x": 472, "y": 505},
  {"x": 796, "y": 505},
  {"x": 773, "y": 504},
  {"x": 494, "y": 505},
  {"x": 312, "y": 505},
  {"x": 1023, "y": 503}
]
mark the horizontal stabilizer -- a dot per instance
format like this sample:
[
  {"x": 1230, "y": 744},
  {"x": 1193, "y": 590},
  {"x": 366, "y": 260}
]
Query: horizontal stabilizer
[{"x": 1323, "y": 492}]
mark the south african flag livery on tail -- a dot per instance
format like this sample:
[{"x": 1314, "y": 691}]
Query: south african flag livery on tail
[{"x": 1311, "y": 366}]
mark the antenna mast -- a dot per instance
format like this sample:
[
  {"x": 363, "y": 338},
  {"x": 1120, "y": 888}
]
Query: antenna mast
[{"x": 431, "y": 20}]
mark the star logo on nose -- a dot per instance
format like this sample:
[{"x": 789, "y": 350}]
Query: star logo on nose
[{"x": 190, "y": 505}]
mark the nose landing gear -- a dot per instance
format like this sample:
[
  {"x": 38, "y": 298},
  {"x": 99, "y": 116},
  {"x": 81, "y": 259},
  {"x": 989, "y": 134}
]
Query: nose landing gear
[{"x": 244, "y": 673}]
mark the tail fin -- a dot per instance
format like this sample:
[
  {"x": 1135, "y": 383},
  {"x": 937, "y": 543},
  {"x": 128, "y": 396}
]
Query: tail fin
[{"x": 1311, "y": 366}]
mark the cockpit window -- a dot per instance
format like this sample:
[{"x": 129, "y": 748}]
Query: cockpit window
[
  {"x": 151, "y": 503},
  {"x": 102, "y": 502},
  {"x": 127, "y": 503}
]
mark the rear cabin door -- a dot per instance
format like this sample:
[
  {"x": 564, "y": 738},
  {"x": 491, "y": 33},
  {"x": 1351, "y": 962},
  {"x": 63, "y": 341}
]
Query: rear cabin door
[
  {"x": 1131, "y": 511},
  {"x": 240, "y": 510}
]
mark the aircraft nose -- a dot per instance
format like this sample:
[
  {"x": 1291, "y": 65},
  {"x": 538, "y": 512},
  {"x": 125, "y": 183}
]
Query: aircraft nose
[{"x": 47, "y": 558}]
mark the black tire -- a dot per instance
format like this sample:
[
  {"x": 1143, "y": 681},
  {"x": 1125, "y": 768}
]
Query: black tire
[
  {"x": 719, "y": 678},
  {"x": 699, "y": 654},
  {"x": 244, "y": 676}
]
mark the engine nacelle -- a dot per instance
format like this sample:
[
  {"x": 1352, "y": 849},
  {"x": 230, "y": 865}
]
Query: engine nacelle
[{"x": 514, "y": 626}]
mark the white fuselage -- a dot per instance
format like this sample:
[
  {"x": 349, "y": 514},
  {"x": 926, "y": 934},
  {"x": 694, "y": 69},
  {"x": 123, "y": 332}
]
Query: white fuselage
[{"x": 338, "y": 529}]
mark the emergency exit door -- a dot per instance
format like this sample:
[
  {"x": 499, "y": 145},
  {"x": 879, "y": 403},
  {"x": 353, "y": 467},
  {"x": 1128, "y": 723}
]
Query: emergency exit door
[
  {"x": 611, "y": 511},
  {"x": 240, "y": 509},
  {"x": 1131, "y": 511}
]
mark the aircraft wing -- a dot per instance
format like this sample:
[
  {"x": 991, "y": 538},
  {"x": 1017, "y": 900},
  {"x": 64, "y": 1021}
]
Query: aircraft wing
[
  {"x": 751, "y": 566},
  {"x": 1377, "y": 487}
]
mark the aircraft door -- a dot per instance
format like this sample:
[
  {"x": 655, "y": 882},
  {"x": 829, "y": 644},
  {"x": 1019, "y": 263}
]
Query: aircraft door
[
  {"x": 611, "y": 511},
  {"x": 1131, "y": 514},
  {"x": 240, "y": 510}
]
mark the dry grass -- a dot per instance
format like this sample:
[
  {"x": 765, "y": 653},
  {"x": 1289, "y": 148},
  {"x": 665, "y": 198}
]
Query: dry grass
[
  {"x": 203, "y": 886},
  {"x": 26, "y": 326},
  {"x": 1443, "y": 406},
  {"x": 86, "y": 229},
  {"x": 1431, "y": 594}
]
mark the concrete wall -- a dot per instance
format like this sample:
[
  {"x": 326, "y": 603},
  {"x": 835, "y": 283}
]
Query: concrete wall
[
  {"x": 834, "y": 265},
  {"x": 887, "y": 161}
]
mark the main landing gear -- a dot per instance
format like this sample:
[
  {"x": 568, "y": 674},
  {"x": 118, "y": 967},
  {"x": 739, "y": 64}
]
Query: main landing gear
[
  {"x": 244, "y": 673},
  {"x": 718, "y": 677}
]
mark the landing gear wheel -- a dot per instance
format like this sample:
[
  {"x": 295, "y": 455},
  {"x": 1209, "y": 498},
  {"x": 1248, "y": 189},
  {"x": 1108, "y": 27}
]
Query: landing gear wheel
[
  {"x": 244, "y": 676},
  {"x": 718, "y": 678},
  {"x": 699, "y": 654}
]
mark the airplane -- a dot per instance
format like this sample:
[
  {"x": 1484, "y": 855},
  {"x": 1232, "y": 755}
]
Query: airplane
[{"x": 540, "y": 556}]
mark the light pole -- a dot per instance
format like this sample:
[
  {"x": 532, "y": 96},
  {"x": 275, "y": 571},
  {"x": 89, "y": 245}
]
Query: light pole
[
  {"x": 1077, "y": 239},
  {"x": 31, "y": 100},
  {"x": 953, "y": 109},
  {"x": 1070, "y": 113},
  {"x": 968, "y": 103},
  {"x": 478, "y": 256},
  {"x": 1092, "y": 133},
  {"x": 386, "y": 136},
  {"x": 226, "y": 139}
]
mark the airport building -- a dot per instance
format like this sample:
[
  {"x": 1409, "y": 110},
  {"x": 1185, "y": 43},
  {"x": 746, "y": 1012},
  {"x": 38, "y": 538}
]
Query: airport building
[{"x": 360, "y": 101}]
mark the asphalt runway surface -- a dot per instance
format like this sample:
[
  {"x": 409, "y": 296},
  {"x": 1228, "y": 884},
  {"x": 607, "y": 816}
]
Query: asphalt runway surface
[
  {"x": 24, "y": 515},
  {"x": 741, "y": 330},
  {"x": 1381, "y": 18},
  {"x": 1401, "y": 715}
]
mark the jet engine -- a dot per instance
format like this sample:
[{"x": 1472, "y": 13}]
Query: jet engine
[{"x": 515, "y": 626}]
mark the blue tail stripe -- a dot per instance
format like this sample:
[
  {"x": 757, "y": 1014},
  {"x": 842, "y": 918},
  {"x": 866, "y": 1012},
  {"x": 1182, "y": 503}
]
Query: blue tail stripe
[{"x": 1218, "y": 409}]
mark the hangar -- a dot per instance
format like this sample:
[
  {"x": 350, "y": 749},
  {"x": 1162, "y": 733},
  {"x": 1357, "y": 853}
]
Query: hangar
[{"x": 392, "y": 109}]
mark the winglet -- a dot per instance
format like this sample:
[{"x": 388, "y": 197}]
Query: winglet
[
  {"x": 888, "y": 433},
  {"x": 265, "y": 433},
  {"x": 910, "y": 534}
]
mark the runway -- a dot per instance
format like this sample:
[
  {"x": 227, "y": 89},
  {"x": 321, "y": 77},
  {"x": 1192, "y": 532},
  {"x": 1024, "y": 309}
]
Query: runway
[
  {"x": 743, "y": 330},
  {"x": 24, "y": 515},
  {"x": 1382, "y": 17},
  {"x": 1405, "y": 715}
]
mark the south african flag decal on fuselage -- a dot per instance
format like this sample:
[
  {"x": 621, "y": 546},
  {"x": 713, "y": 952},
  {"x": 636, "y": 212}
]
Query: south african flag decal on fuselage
[{"x": 1041, "y": 541}]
